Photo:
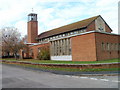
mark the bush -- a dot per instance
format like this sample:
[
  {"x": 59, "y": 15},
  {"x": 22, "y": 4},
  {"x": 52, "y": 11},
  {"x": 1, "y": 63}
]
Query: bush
[{"x": 44, "y": 53}]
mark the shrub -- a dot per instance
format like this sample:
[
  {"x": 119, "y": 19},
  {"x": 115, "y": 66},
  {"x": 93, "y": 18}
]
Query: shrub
[{"x": 44, "y": 53}]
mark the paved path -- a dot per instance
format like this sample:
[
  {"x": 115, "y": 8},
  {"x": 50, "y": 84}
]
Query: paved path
[{"x": 14, "y": 77}]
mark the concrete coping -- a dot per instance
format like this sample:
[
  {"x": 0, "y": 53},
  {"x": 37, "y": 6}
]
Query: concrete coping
[{"x": 93, "y": 31}]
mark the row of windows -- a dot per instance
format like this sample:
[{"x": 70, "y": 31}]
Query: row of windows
[
  {"x": 62, "y": 35},
  {"x": 61, "y": 47},
  {"x": 110, "y": 46}
]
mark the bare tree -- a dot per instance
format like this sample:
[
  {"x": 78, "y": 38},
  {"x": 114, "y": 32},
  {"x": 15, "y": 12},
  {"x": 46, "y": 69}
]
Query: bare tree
[
  {"x": 24, "y": 39},
  {"x": 25, "y": 48},
  {"x": 11, "y": 41}
]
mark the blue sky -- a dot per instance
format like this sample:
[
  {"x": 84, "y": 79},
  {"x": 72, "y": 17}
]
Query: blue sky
[{"x": 56, "y": 13}]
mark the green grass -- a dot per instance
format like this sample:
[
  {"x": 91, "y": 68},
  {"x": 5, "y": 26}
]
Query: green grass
[
  {"x": 66, "y": 69},
  {"x": 65, "y": 62}
]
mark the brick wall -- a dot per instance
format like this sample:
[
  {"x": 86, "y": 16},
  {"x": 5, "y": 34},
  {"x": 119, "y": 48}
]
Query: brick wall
[
  {"x": 91, "y": 27},
  {"x": 107, "y": 29},
  {"x": 32, "y": 31},
  {"x": 35, "y": 49},
  {"x": 83, "y": 47},
  {"x": 88, "y": 47},
  {"x": 103, "y": 54},
  {"x": 119, "y": 47}
]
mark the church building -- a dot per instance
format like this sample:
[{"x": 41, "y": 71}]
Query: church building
[{"x": 86, "y": 40}]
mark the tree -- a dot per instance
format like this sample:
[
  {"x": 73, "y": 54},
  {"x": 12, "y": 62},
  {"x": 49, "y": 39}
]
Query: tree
[
  {"x": 11, "y": 41},
  {"x": 25, "y": 48}
]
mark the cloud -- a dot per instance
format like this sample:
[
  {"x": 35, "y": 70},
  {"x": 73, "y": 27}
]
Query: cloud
[
  {"x": 22, "y": 27},
  {"x": 54, "y": 13}
]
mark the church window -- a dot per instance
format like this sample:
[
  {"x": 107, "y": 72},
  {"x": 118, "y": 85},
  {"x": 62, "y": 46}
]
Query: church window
[
  {"x": 70, "y": 51},
  {"x": 59, "y": 35},
  {"x": 111, "y": 46},
  {"x": 116, "y": 46},
  {"x": 108, "y": 46},
  {"x": 75, "y": 32},
  {"x": 84, "y": 30},
  {"x": 119, "y": 47},
  {"x": 100, "y": 28},
  {"x": 79, "y": 31},
  {"x": 103, "y": 46},
  {"x": 63, "y": 35},
  {"x": 71, "y": 33},
  {"x": 56, "y": 36},
  {"x": 66, "y": 34}
]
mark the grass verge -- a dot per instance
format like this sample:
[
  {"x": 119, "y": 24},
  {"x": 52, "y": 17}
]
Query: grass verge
[
  {"x": 65, "y": 69},
  {"x": 65, "y": 62}
]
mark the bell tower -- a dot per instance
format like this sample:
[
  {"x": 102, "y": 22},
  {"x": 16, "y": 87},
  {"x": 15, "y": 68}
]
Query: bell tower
[{"x": 32, "y": 28}]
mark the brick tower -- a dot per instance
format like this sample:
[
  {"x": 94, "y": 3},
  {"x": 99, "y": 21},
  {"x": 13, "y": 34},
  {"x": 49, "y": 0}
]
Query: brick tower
[{"x": 32, "y": 26}]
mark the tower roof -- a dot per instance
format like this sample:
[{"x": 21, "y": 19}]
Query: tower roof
[{"x": 32, "y": 14}]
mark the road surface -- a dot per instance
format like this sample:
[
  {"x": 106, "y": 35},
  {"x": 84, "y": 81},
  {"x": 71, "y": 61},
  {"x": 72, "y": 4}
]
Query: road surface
[{"x": 16, "y": 77}]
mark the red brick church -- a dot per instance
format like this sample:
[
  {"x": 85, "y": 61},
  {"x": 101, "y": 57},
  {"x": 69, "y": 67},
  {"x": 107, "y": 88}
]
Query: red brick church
[{"x": 87, "y": 40}]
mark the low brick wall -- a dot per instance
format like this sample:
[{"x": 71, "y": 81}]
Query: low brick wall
[{"x": 79, "y": 66}]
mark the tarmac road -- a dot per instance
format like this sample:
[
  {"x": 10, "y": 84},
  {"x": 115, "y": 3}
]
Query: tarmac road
[{"x": 16, "y": 77}]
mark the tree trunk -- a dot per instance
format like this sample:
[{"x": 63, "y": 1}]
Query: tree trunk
[
  {"x": 15, "y": 55},
  {"x": 8, "y": 54}
]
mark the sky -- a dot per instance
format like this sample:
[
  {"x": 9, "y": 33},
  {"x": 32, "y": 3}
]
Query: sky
[{"x": 56, "y": 13}]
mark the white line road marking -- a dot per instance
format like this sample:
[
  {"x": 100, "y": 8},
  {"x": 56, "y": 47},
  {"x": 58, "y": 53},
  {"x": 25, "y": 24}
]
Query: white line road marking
[
  {"x": 84, "y": 77},
  {"x": 75, "y": 76},
  {"x": 116, "y": 81},
  {"x": 104, "y": 79},
  {"x": 67, "y": 76},
  {"x": 93, "y": 78}
]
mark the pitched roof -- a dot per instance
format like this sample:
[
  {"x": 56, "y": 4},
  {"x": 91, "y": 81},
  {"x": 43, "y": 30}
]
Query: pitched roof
[{"x": 67, "y": 28}]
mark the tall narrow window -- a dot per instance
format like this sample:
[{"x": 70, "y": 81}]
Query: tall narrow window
[
  {"x": 70, "y": 47},
  {"x": 116, "y": 46},
  {"x": 108, "y": 46},
  {"x": 103, "y": 46},
  {"x": 119, "y": 47},
  {"x": 111, "y": 46}
]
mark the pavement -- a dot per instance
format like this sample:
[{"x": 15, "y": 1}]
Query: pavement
[{"x": 17, "y": 77}]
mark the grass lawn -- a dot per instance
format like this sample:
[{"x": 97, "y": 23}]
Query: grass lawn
[{"x": 65, "y": 62}]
